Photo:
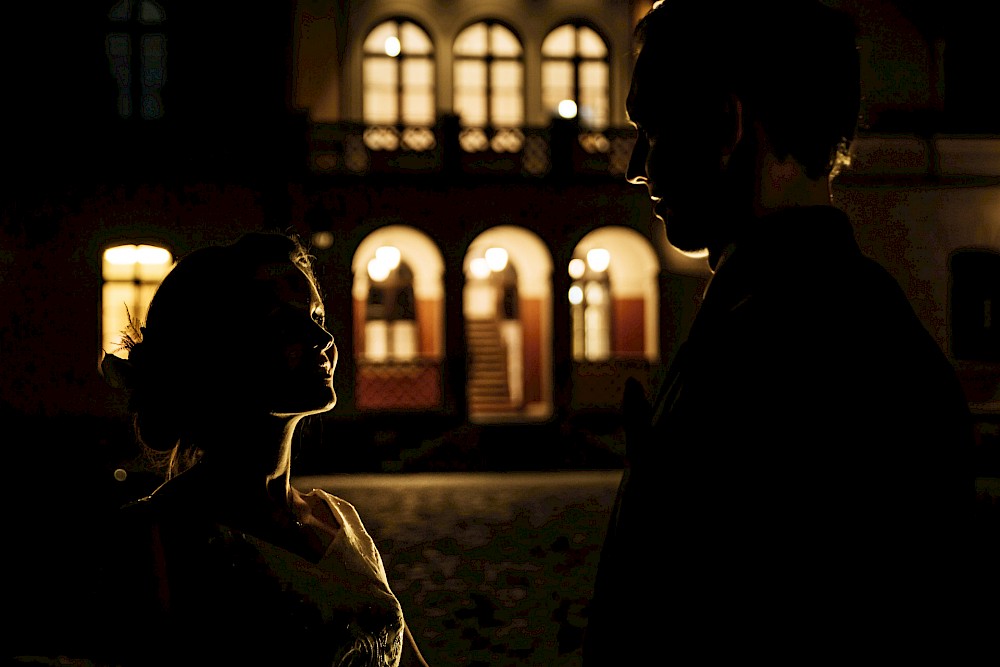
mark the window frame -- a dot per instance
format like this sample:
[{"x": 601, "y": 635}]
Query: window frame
[
  {"x": 141, "y": 290},
  {"x": 396, "y": 130},
  {"x": 577, "y": 61}
]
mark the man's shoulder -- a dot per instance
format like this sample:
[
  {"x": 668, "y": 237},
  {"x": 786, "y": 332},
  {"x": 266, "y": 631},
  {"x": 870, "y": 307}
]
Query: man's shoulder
[
  {"x": 844, "y": 316},
  {"x": 841, "y": 289}
]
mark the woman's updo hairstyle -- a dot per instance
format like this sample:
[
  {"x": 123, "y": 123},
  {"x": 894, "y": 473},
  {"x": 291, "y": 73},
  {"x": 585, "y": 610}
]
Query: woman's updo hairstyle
[{"x": 192, "y": 327}]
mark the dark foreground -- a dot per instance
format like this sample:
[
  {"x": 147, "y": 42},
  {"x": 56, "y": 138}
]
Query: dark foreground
[{"x": 491, "y": 568}]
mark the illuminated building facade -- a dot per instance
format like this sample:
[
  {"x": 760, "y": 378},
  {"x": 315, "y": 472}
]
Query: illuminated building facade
[{"x": 459, "y": 170}]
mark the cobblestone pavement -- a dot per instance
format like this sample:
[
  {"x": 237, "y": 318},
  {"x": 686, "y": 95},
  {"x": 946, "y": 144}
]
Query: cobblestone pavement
[{"x": 492, "y": 569}]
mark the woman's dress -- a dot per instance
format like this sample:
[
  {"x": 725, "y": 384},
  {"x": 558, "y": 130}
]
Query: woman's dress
[{"x": 191, "y": 591}]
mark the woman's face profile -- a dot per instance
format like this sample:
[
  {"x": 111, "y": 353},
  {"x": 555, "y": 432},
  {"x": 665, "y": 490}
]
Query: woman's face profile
[{"x": 288, "y": 354}]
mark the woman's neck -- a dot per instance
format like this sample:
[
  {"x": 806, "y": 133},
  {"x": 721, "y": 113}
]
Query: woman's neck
[{"x": 249, "y": 459}]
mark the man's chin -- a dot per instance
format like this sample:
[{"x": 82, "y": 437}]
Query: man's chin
[{"x": 687, "y": 242}]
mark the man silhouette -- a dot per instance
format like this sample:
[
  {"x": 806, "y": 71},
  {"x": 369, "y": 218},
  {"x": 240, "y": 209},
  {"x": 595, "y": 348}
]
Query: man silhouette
[{"x": 801, "y": 478}]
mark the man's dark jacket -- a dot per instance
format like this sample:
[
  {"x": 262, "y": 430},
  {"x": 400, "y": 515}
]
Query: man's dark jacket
[{"x": 802, "y": 476}]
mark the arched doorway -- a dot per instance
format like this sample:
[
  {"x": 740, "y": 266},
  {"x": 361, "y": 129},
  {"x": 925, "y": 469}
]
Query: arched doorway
[
  {"x": 398, "y": 321},
  {"x": 615, "y": 315},
  {"x": 507, "y": 307}
]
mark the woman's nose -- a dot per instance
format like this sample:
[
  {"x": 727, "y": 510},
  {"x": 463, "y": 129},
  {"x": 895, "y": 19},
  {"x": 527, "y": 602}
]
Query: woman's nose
[
  {"x": 324, "y": 339},
  {"x": 327, "y": 341}
]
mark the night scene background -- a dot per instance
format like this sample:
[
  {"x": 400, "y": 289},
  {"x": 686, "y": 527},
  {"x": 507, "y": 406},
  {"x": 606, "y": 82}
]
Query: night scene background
[{"x": 490, "y": 278}]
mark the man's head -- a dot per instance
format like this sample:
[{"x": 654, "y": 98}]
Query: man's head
[{"x": 718, "y": 83}]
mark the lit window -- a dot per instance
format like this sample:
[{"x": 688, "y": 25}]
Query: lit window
[
  {"x": 489, "y": 87},
  {"x": 575, "y": 75},
  {"x": 398, "y": 89},
  {"x": 590, "y": 306},
  {"x": 390, "y": 313},
  {"x": 140, "y": 79},
  {"x": 131, "y": 274}
]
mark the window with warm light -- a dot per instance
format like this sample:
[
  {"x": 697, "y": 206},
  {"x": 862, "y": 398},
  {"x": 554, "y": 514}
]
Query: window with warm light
[
  {"x": 590, "y": 306},
  {"x": 398, "y": 86},
  {"x": 391, "y": 332},
  {"x": 489, "y": 87},
  {"x": 131, "y": 274},
  {"x": 575, "y": 75},
  {"x": 136, "y": 48}
]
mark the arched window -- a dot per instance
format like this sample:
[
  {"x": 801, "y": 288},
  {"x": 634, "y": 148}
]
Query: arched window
[
  {"x": 398, "y": 86},
  {"x": 131, "y": 274},
  {"x": 590, "y": 304},
  {"x": 489, "y": 87},
  {"x": 398, "y": 323},
  {"x": 137, "y": 56},
  {"x": 575, "y": 75},
  {"x": 390, "y": 313}
]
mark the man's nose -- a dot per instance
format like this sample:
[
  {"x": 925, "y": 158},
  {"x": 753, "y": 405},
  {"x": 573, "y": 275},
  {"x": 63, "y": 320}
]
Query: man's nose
[{"x": 635, "y": 173}]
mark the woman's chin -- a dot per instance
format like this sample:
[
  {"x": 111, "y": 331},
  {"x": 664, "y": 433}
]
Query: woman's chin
[
  {"x": 327, "y": 403},
  {"x": 700, "y": 253},
  {"x": 308, "y": 406}
]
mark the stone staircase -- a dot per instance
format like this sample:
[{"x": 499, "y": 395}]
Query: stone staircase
[{"x": 487, "y": 390}]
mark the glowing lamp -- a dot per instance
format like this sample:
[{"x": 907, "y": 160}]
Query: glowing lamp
[
  {"x": 598, "y": 259},
  {"x": 496, "y": 258},
  {"x": 378, "y": 271},
  {"x": 567, "y": 109},
  {"x": 479, "y": 268},
  {"x": 322, "y": 240},
  {"x": 388, "y": 255}
]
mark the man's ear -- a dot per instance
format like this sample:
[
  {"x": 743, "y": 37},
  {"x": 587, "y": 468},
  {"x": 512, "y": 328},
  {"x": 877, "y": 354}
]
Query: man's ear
[{"x": 732, "y": 123}]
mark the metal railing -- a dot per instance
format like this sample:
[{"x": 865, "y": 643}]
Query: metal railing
[
  {"x": 352, "y": 148},
  {"x": 398, "y": 385}
]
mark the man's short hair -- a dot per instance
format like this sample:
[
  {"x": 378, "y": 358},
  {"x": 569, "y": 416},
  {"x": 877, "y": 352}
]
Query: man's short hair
[{"x": 794, "y": 65}]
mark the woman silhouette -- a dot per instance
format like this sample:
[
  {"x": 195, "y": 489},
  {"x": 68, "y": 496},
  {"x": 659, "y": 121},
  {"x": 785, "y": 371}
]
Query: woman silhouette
[{"x": 227, "y": 563}]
